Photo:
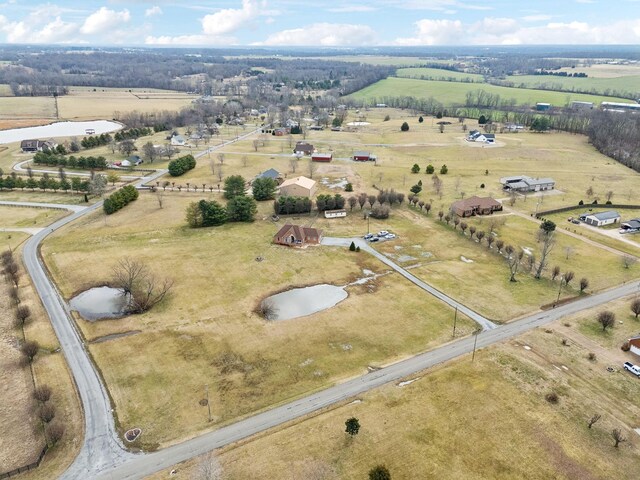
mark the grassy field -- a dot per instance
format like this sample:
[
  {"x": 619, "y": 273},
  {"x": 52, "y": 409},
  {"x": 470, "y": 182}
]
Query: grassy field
[
  {"x": 438, "y": 74},
  {"x": 28, "y": 217},
  {"x": 603, "y": 86},
  {"x": 5, "y": 90},
  {"x": 605, "y": 70},
  {"x": 454, "y": 93},
  {"x": 16, "y": 108},
  {"x": 413, "y": 429},
  {"x": 217, "y": 338}
]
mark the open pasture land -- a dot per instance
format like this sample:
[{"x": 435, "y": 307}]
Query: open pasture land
[
  {"x": 86, "y": 104},
  {"x": 207, "y": 332},
  {"x": 27, "y": 108},
  {"x": 603, "y": 85},
  {"x": 454, "y": 93},
  {"x": 28, "y": 217},
  {"x": 606, "y": 70},
  {"x": 438, "y": 74},
  {"x": 414, "y": 428}
]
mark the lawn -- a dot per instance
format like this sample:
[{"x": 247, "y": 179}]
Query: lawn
[
  {"x": 204, "y": 336},
  {"x": 487, "y": 419},
  {"x": 454, "y": 93}
]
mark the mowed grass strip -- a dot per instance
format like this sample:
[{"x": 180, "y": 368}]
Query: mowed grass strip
[
  {"x": 207, "y": 333},
  {"x": 454, "y": 93}
]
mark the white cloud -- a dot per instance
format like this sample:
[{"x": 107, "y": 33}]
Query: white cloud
[
  {"x": 56, "y": 31},
  {"x": 326, "y": 34},
  {"x": 155, "y": 10},
  {"x": 507, "y": 31},
  {"x": 231, "y": 19},
  {"x": 352, "y": 9},
  {"x": 104, "y": 20}
]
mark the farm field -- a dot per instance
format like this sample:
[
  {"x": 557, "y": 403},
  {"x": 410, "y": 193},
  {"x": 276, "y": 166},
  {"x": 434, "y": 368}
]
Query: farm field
[
  {"x": 454, "y": 93},
  {"x": 28, "y": 217},
  {"x": 411, "y": 427},
  {"x": 602, "y": 85},
  {"x": 5, "y": 90},
  {"x": 607, "y": 70},
  {"x": 248, "y": 363},
  {"x": 27, "y": 108},
  {"x": 438, "y": 74}
]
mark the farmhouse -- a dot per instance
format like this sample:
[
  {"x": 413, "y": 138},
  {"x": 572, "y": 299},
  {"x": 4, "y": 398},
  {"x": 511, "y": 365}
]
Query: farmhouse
[
  {"x": 303, "y": 148},
  {"x": 335, "y": 213},
  {"x": 37, "y": 145},
  {"x": 630, "y": 226},
  {"x": 471, "y": 206},
  {"x": 132, "y": 161},
  {"x": 522, "y": 183},
  {"x": 299, "y": 187},
  {"x": 297, "y": 236},
  {"x": 322, "y": 157},
  {"x": 178, "y": 141},
  {"x": 362, "y": 156},
  {"x": 476, "y": 136},
  {"x": 600, "y": 219},
  {"x": 273, "y": 174}
]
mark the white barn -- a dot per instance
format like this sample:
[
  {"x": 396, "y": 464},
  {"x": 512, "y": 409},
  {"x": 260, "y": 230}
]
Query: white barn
[{"x": 600, "y": 219}]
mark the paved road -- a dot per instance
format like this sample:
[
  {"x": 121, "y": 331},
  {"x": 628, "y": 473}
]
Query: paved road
[
  {"x": 141, "y": 466},
  {"x": 59, "y": 206},
  {"x": 18, "y": 167},
  {"x": 485, "y": 323}
]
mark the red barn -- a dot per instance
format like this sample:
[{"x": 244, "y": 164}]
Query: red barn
[
  {"x": 362, "y": 156},
  {"x": 322, "y": 157}
]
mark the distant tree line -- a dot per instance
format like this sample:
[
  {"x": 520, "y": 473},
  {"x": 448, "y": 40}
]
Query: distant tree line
[{"x": 617, "y": 135}]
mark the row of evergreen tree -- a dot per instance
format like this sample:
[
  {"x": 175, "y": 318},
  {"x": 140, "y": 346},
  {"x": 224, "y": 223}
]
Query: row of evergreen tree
[
  {"x": 44, "y": 183},
  {"x": 181, "y": 165},
  {"x": 54, "y": 160},
  {"x": 120, "y": 199}
]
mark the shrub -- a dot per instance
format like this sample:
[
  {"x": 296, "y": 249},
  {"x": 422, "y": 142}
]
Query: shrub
[
  {"x": 352, "y": 247},
  {"x": 348, "y": 187},
  {"x": 482, "y": 185},
  {"x": 591, "y": 356},
  {"x": 181, "y": 165},
  {"x": 581, "y": 202},
  {"x": 552, "y": 397},
  {"x": 405, "y": 127},
  {"x": 380, "y": 211},
  {"x": 120, "y": 199},
  {"x": 625, "y": 347},
  {"x": 444, "y": 170},
  {"x": 430, "y": 169}
]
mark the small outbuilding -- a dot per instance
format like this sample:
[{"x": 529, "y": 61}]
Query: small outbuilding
[
  {"x": 634, "y": 345},
  {"x": 272, "y": 173},
  {"x": 362, "y": 156},
  {"x": 297, "y": 236},
  {"x": 601, "y": 219},
  {"x": 341, "y": 213},
  {"x": 630, "y": 226},
  {"x": 471, "y": 206},
  {"x": 322, "y": 157},
  {"x": 522, "y": 183},
  {"x": 299, "y": 187}
]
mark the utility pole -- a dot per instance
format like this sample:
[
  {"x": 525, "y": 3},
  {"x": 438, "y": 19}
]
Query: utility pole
[
  {"x": 455, "y": 318},
  {"x": 208, "y": 403},
  {"x": 475, "y": 342}
]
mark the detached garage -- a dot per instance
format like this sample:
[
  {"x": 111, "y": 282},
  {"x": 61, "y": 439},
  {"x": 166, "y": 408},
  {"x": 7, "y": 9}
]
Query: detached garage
[{"x": 601, "y": 219}]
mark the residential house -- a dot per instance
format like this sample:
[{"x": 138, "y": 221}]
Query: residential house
[
  {"x": 600, "y": 219},
  {"x": 303, "y": 148},
  {"x": 335, "y": 213},
  {"x": 297, "y": 236},
  {"x": 273, "y": 174},
  {"x": 524, "y": 184},
  {"x": 471, "y": 206},
  {"x": 630, "y": 226},
  {"x": 634, "y": 345},
  {"x": 291, "y": 123},
  {"x": 178, "y": 141},
  {"x": 281, "y": 132},
  {"x": 299, "y": 187},
  {"x": 476, "y": 136},
  {"x": 132, "y": 161},
  {"x": 322, "y": 157},
  {"x": 37, "y": 145},
  {"x": 362, "y": 156}
]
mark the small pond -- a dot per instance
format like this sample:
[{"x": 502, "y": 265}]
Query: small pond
[
  {"x": 305, "y": 301},
  {"x": 58, "y": 129},
  {"x": 100, "y": 302}
]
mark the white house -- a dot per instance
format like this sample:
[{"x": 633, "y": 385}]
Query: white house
[
  {"x": 522, "y": 183},
  {"x": 178, "y": 141},
  {"x": 335, "y": 213},
  {"x": 600, "y": 219},
  {"x": 476, "y": 136},
  {"x": 630, "y": 226}
]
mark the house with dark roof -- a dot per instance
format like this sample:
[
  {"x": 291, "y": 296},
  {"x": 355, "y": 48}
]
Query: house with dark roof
[
  {"x": 471, "y": 206},
  {"x": 273, "y": 174},
  {"x": 297, "y": 236},
  {"x": 303, "y": 148},
  {"x": 37, "y": 145},
  {"x": 630, "y": 226},
  {"x": 600, "y": 219}
]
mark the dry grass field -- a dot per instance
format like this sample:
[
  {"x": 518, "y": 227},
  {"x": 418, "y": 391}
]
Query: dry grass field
[
  {"x": 21, "y": 437},
  {"x": 488, "y": 419},
  {"x": 28, "y": 217}
]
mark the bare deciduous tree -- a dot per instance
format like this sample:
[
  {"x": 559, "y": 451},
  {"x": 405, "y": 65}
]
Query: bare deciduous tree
[
  {"x": 160, "y": 197},
  {"x": 513, "y": 260},
  {"x": 42, "y": 393},
  {"x": 30, "y": 349},
  {"x": 144, "y": 289},
  {"x": 209, "y": 468},
  {"x": 606, "y": 319},
  {"x": 46, "y": 412},
  {"x": 618, "y": 438},
  {"x": 23, "y": 313},
  {"x": 628, "y": 261},
  {"x": 635, "y": 307},
  {"x": 592, "y": 421},
  {"x": 584, "y": 283},
  {"x": 555, "y": 272},
  {"x": 293, "y": 163}
]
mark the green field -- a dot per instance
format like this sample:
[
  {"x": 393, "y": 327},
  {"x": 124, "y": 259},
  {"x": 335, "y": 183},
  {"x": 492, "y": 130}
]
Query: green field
[
  {"x": 438, "y": 74},
  {"x": 454, "y": 93},
  {"x": 601, "y": 86}
]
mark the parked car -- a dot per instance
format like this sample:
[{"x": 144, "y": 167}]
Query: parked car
[
  {"x": 374, "y": 239},
  {"x": 368, "y": 236},
  {"x": 632, "y": 368},
  {"x": 390, "y": 236},
  {"x": 383, "y": 233}
]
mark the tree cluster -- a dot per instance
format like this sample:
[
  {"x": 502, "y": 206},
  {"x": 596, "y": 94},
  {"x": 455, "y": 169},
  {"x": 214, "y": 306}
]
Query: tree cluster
[
  {"x": 329, "y": 202},
  {"x": 120, "y": 199},
  {"x": 45, "y": 182},
  {"x": 617, "y": 135},
  {"x": 181, "y": 165},
  {"x": 54, "y": 160},
  {"x": 264, "y": 189},
  {"x": 287, "y": 205},
  {"x": 96, "y": 140},
  {"x": 132, "y": 133},
  {"x": 143, "y": 289}
]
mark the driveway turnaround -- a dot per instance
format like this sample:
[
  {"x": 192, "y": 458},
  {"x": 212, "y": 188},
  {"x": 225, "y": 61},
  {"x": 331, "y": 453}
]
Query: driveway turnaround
[{"x": 485, "y": 323}]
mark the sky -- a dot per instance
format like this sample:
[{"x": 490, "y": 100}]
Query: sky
[{"x": 334, "y": 23}]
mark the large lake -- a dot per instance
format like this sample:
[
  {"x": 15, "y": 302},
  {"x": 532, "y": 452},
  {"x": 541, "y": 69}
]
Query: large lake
[{"x": 58, "y": 129}]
